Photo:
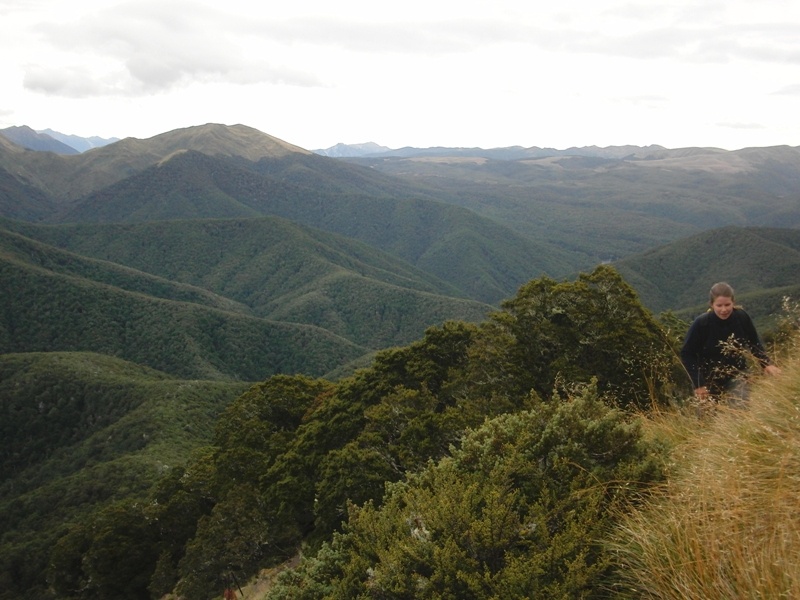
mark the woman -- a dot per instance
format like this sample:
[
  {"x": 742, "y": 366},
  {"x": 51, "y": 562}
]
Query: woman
[{"x": 713, "y": 352}]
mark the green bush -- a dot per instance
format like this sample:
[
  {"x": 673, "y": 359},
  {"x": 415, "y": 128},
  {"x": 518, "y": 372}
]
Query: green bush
[{"x": 518, "y": 511}]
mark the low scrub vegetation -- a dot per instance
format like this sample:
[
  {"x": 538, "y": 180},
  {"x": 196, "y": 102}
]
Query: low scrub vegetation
[
  {"x": 551, "y": 451},
  {"x": 725, "y": 523},
  {"x": 295, "y": 458}
]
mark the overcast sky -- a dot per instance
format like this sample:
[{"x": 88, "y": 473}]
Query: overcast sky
[{"x": 421, "y": 73}]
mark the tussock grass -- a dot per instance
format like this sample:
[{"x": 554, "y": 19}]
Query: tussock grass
[{"x": 727, "y": 522}]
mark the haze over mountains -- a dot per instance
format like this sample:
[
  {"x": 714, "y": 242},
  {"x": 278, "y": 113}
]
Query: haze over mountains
[
  {"x": 373, "y": 249},
  {"x": 148, "y": 283},
  {"x": 53, "y": 141}
]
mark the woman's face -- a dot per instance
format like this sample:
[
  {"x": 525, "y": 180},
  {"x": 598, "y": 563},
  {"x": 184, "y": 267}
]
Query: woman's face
[{"x": 722, "y": 306}]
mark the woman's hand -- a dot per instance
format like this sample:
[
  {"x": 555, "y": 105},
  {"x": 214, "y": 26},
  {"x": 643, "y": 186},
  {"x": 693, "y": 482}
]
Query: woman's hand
[{"x": 772, "y": 370}]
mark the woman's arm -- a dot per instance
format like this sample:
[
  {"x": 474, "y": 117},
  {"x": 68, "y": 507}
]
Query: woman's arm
[{"x": 756, "y": 346}]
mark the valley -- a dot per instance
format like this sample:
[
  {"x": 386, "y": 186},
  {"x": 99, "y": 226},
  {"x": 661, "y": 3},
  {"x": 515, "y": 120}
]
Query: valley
[{"x": 157, "y": 294}]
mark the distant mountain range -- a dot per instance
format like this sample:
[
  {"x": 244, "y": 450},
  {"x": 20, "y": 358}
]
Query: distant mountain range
[
  {"x": 81, "y": 144},
  {"x": 371, "y": 149},
  {"x": 366, "y": 252},
  {"x": 48, "y": 140},
  {"x": 146, "y": 284},
  {"x": 34, "y": 140},
  {"x": 351, "y": 150}
]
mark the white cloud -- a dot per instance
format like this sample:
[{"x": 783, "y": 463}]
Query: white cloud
[
  {"x": 789, "y": 90},
  {"x": 150, "y": 47},
  {"x": 313, "y": 72},
  {"x": 68, "y": 81},
  {"x": 741, "y": 125}
]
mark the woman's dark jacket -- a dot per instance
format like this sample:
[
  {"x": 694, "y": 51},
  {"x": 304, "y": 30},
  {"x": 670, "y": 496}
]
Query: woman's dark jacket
[{"x": 709, "y": 360}]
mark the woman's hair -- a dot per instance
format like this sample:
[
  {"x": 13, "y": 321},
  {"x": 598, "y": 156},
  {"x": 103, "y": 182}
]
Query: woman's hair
[{"x": 720, "y": 289}]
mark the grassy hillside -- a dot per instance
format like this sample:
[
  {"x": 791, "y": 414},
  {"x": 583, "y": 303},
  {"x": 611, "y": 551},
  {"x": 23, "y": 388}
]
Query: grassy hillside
[
  {"x": 78, "y": 431},
  {"x": 20, "y": 197},
  {"x": 726, "y": 523}
]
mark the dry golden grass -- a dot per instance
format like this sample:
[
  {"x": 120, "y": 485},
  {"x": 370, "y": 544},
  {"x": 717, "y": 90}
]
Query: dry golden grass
[{"x": 727, "y": 523}]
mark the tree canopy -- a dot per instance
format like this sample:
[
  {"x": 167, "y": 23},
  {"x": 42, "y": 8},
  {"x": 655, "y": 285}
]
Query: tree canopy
[{"x": 480, "y": 461}]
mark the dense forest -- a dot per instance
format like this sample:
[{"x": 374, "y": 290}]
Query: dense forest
[
  {"x": 484, "y": 460},
  {"x": 227, "y": 362}
]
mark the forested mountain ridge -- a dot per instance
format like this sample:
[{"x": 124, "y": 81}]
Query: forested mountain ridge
[
  {"x": 432, "y": 236},
  {"x": 256, "y": 297},
  {"x": 23, "y": 250},
  {"x": 198, "y": 182},
  {"x": 548, "y": 472},
  {"x": 82, "y": 430},
  {"x": 555, "y": 213},
  {"x": 221, "y": 253},
  {"x": 504, "y": 451},
  {"x": 608, "y": 205},
  {"x": 318, "y": 431},
  {"x": 69, "y": 177},
  {"x": 762, "y": 263}
]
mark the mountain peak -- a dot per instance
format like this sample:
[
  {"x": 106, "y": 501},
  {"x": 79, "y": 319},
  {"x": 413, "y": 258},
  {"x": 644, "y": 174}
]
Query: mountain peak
[
  {"x": 227, "y": 140},
  {"x": 81, "y": 144},
  {"x": 352, "y": 150},
  {"x": 28, "y": 138}
]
